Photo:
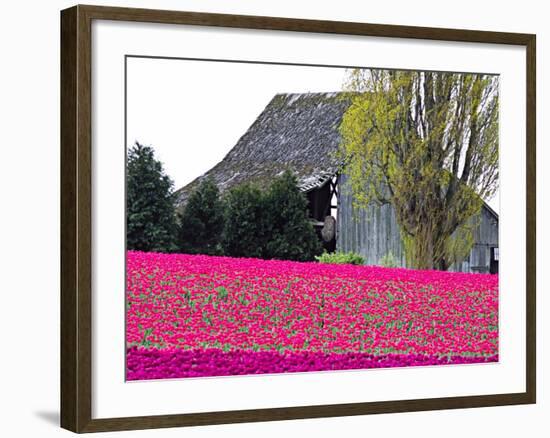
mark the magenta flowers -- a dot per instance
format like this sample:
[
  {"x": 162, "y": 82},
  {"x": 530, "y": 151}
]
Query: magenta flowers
[{"x": 191, "y": 316}]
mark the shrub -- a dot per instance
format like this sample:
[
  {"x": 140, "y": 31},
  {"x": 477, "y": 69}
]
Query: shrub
[
  {"x": 202, "y": 221},
  {"x": 350, "y": 258},
  {"x": 246, "y": 222},
  {"x": 291, "y": 234},
  {"x": 272, "y": 224}
]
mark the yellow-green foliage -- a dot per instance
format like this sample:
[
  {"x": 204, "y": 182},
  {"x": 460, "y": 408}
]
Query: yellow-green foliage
[
  {"x": 458, "y": 245},
  {"x": 389, "y": 261},
  {"x": 341, "y": 258},
  {"x": 427, "y": 143}
]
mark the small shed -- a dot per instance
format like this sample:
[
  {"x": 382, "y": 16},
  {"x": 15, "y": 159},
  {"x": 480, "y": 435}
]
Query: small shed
[{"x": 299, "y": 132}]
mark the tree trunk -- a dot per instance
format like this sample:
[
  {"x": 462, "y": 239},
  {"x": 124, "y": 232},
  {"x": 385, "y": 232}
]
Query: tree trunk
[
  {"x": 426, "y": 249},
  {"x": 421, "y": 249}
]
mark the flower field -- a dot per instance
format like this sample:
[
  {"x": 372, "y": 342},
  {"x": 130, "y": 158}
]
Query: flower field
[{"x": 193, "y": 316}]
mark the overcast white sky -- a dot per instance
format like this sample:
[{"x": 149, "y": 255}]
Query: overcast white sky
[{"x": 193, "y": 112}]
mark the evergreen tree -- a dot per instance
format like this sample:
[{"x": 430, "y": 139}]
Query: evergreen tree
[
  {"x": 291, "y": 234},
  {"x": 150, "y": 217},
  {"x": 202, "y": 221},
  {"x": 246, "y": 222}
]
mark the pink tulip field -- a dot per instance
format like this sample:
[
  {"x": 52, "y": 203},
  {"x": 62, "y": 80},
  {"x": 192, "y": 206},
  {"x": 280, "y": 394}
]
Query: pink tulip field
[{"x": 196, "y": 316}]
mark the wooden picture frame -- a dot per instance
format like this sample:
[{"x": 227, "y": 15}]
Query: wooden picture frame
[{"x": 76, "y": 217}]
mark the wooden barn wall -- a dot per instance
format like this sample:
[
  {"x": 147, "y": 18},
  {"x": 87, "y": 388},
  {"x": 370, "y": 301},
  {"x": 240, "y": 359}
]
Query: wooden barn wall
[
  {"x": 373, "y": 232},
  {"x": 485, "y": 237}
]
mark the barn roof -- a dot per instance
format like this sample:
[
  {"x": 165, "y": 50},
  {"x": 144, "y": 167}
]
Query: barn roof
[{"x": 296, "y": 132}]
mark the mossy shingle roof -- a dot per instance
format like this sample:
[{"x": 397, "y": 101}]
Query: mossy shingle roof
[{"x": 296, "y": 132}]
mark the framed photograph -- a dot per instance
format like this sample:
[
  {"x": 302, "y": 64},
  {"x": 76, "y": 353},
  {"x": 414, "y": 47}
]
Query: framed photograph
[{"x": 270, "y": 218}]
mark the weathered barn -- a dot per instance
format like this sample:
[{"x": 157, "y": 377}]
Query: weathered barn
[
  {"x": 374, "y": 232},
  {"x": 299, "y": 132}
]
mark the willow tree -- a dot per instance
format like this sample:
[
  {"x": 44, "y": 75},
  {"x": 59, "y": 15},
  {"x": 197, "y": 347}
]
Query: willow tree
[{"x": 427, "y": 143}]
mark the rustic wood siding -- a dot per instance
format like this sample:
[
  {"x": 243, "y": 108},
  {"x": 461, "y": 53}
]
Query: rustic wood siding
[
  {"x": 485, "y": 238},
  {"x": 373, "y": 232}
]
